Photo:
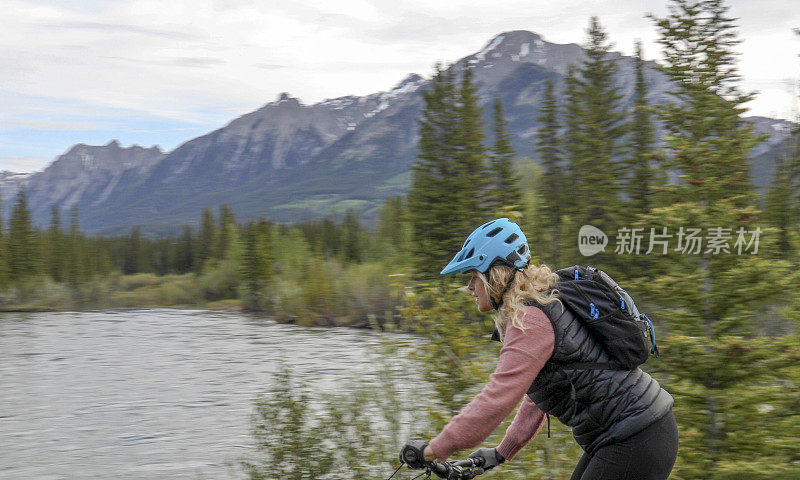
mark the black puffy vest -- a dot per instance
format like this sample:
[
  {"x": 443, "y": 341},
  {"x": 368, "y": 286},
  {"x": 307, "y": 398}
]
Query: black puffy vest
[{"x": 601, "y": 406}]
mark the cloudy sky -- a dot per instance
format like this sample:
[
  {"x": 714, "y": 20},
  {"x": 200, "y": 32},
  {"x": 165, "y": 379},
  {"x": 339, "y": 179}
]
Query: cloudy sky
[{"x": 152, "y": 72}]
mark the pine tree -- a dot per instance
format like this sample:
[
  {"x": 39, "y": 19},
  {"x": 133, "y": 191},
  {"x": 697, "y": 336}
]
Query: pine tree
[
  {"x": 256, "y": 265},
  {"x": 352, "y": 242},
  {"x": 448, "y": 180},
  {"x": 135, "y": 259},
  {"x": 713, "y": 299},
  {"x": 434, "y": 199},
  {"x": 779, "y": 206},
  {"x": 504, "y": 182},
  {"x": 330, "y": 238},
  {"x": 548, "y": 148},
  {"x": 595, "y": 130},
  {"x": 642, "y": 133},
  {"x": 206, "y": 236},
  {"x": 226, "y": 234},
  {"x": 184, "y": 257},
  {"x": 23, "y": 258},
  {"x": 783, "y": 198},
  {"x": 3, "y": 252},
  {"x": 705, "y": 70},
  {"x": 393, "y": 231},
  {"x": 469, "y": 150},
  {"x": 76, "y": 256},
  {"x": 56, "y": 255}
]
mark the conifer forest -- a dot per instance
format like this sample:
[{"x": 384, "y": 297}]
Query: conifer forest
[{"x": 712, "y": 259}]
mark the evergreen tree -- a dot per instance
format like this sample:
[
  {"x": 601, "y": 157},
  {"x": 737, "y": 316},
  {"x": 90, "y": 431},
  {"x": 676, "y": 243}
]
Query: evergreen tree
[
  {"x": 714, "y": 296},
  {"x": 783, "y": 198},
  {"x": 642, "y": 132},
  {"x": 3, "y": 252},
  {"x": 434, "y": 186},
  {"x": 158, "y": 254},
  {"x": 704, "y": 68},
  {"x": 316, "y": 289},
  {"x": 76, "y": 265},
  {"x": 256, "y": 265},
  {"x": 226, "y": 233},
  {"x": 548, "y": 148},
  {"x": 503, "y": 182},
  {"x": 393, "y": 231},
  {"x": 470, "y": 152},
  {"x": 22, "y": 247},
  {"x": 780, "y": 207},
  {"x": 56, "y": 255},
  {"x": 595, "y": 126},
  {"x": 184, "y": 261},
  {"x": 135, "y": 259},
  {"x": 448, "y": 178},
  {"x": 206, "y": 236},
  {"x": 352, "y": 242},
  {"x": 330, "y": 237}
]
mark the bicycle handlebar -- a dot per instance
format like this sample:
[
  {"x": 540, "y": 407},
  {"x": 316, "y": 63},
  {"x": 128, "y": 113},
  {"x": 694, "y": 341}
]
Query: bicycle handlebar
[
  {"x": 458, "y": 469},
  {"x": 412, "y": 455}
]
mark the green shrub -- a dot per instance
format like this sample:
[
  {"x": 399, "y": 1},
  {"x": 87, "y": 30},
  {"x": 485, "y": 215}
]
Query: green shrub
[
  {"x": 128, "y": 283},
  {"x": 219, "y": 281},
  {"x": 354, "y": 433}
]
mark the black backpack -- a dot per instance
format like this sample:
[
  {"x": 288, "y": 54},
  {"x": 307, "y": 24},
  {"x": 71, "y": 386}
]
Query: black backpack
[{"x": 610, "y": 315}]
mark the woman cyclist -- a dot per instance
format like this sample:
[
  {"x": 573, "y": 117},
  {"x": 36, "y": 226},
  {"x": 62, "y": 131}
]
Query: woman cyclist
[{"x": 622, "y": 419}]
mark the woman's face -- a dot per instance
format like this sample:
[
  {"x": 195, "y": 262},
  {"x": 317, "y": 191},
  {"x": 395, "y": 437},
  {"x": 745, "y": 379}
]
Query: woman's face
[{"x": 478, "y": 290}]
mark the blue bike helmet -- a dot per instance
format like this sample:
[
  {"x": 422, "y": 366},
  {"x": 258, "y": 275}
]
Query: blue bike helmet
[{"x": 499, "y": 240}]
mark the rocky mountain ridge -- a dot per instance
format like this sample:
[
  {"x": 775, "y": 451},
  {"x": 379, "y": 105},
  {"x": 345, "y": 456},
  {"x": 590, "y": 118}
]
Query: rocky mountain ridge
[{"x": 291, "y": 161}]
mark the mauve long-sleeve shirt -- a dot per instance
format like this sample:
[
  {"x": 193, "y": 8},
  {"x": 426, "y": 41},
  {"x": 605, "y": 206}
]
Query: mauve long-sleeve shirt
[{"x": 522, "y": 356}]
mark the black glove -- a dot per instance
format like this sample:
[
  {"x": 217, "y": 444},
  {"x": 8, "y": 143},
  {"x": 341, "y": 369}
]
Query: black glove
[
  {"x": 412, "y": 454},
  {"x": 490, "y": 457}
]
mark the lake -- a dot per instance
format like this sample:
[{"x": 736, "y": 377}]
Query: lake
[{"x": 143, "y": 394}]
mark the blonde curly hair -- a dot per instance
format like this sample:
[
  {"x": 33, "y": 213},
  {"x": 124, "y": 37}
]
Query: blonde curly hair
[{"x": 535, "y": 282}]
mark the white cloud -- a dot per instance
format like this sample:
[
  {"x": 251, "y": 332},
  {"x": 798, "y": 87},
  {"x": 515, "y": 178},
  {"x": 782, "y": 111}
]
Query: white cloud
[
  {"x": 20, "y": 163},
  {"x": 198, "y": 60},
  {"x": 50, "y": 125}
]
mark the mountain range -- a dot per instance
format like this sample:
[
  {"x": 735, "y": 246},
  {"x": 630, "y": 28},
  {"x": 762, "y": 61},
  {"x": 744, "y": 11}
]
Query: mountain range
[{"x": 289, "y": 161}]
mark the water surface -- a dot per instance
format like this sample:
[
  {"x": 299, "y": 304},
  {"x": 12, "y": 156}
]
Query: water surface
[{"x": 144, "y": 394}]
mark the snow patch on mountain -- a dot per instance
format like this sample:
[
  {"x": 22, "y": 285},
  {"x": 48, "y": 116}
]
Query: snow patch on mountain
[
  {"x": 481, "y": 56},
  {"x": 342, "y": 102},
  {"x": 782, "y": 127},
  {"x": 539, "y": 51},
  {"x": 409, "y": 85},
  {"x": 524, "y": 50}
]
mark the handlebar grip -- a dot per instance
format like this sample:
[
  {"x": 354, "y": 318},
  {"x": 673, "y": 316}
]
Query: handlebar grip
[
  {"x": 470, "y": 462},
  {"x": 412, "y": 454}
]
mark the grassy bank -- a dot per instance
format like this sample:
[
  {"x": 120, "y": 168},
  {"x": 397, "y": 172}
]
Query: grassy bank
[{"x": 363, "y": 295}]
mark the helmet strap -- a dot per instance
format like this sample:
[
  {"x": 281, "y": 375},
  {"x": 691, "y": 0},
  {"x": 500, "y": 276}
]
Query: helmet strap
[{"x": 497, "y": 304}]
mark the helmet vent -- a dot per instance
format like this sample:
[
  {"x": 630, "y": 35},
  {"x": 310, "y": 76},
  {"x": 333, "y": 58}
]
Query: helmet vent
[
  {"x": 487, "y": 224},
  {"x": 521, "y": 249},
  {"x": 471, "y": 251},
  {"x": 494, "y": 232},
  {"x": 511, "y": 238}
]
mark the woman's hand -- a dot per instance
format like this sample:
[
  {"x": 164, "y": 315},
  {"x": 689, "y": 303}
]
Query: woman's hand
[{"x": 428, "y": 454}]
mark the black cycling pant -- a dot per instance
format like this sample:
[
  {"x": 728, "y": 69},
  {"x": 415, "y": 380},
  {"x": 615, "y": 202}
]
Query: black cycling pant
[{"x": 648, "y": 455}]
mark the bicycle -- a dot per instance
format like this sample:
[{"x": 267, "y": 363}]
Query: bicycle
[{"x": 411, "y": 455}]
